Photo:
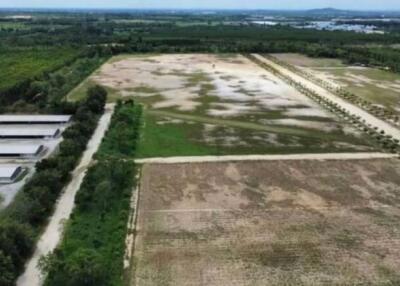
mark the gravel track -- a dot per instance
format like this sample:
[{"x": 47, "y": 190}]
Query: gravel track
[
  {"x": 232, "y": 158},
  {"x": 53, "y": 232}
]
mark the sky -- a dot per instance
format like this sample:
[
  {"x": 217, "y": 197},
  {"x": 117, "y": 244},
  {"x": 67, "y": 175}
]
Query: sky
[{"x": 207, "y": 4}]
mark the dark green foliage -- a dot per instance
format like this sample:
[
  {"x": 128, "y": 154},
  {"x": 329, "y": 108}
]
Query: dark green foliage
[
  {"x": 120, "y": 141},
  {"x": 97, "y": 230},
  {"x": 94, "y": 243},
  {"x": 84, "y": 267},
  {"x": 16, "y": 242}
]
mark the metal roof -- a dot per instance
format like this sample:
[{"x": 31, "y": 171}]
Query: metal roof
[
  {"x": 6, "y": 149},
  {"x": 28, "y": 131},
  {"x": 7, "y": 171},
  {"x": 34, "y": 118}
]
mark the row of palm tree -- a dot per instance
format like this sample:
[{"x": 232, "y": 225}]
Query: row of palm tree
[
  {"x": 378, "y": 111},
  {"x": 387, "y": 142}
]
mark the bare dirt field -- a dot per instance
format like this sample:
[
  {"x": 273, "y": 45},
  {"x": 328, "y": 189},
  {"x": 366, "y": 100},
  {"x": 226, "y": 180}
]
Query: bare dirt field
[
  {"x": 223, "y": 104},
  {"x": 299, "y": 222}
]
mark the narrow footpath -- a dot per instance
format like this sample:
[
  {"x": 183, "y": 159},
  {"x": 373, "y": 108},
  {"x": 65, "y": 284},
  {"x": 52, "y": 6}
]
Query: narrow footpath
[{"x": 54, "y": 230}]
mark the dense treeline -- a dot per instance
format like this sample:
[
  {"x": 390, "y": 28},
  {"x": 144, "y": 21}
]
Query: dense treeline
[
  {"x": 22, "y": 221},
  {"x": 120, "y": 141},
  {"x": 92, "y": 251}
]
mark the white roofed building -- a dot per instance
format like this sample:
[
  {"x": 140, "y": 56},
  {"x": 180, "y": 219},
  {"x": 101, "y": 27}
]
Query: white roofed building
[
  {"x": 20, "y": 151},
  {"x": 8, "y": 174},
  {"x": 28, "y": 132},
  {"x": 34, "y": 119}
]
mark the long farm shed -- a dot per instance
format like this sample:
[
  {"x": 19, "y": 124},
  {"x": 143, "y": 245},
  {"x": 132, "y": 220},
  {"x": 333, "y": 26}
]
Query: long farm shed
[
  {"x": 8, "y": 174},
  {"x": 28, "y": 133},
  {"x": 34, "y": 119},
  {"x": 20, "y": 151}
]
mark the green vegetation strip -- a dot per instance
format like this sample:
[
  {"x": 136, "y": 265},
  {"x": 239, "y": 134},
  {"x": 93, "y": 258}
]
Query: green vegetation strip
[
  {"x": 92, "y": 250},
  {"x": 246, "y": 125}
]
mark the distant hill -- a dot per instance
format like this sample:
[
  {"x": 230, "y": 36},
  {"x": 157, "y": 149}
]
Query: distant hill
[
  {"x": 329, "y": 11},
  {"x": 338, "y": 12}
]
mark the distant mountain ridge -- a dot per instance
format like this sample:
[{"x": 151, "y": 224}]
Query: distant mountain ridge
[{"x": 340, "y": 12}]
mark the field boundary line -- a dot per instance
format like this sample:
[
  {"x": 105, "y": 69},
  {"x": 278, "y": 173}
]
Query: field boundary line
[
  {"x": 130, "y": 240},
  {"x": 288, "y": 157}
]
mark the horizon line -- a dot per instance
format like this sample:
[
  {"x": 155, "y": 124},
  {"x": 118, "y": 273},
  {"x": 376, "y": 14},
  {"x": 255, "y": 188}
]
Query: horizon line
[{"x": 193, "y": 9}]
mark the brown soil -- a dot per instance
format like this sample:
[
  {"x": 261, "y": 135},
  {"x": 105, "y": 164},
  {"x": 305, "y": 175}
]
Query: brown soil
[{"x": 269, "y": 223}]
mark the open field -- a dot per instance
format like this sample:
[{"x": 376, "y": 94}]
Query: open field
[
  {"x": 377, "y": 86},
  {"x": 199, "y": 104},
  {"x": 304, "y": 61},
  {"x": 366, "y": 117},
  {"x": 305, "y": 223}
]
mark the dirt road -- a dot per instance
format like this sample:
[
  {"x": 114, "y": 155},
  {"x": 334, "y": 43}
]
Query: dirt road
[
  {"x": 352, "y": 109},
  {"x": 53, "y": 232},
  {"x": 232, "y": 158}
]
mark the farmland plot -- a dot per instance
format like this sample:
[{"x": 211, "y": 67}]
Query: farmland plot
[
  {"x": 222, "y": 105},
  {"x": 269, "y": 223},
  {"x": 380, "y": 87}
]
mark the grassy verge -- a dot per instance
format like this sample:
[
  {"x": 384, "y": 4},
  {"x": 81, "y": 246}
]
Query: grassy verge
[
  {"x": 92, "y": 250},
  {"x": 170, "y": 139}
]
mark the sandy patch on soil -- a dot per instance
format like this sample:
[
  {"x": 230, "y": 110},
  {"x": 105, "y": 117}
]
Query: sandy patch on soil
[{"x": 182, "y": 80}]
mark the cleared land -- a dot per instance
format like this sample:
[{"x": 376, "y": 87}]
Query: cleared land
[
  {"x": 201, "y": 104},
  {"x": 325, "y": 93},
  {"x": 269, "y": 223},
  {"x": 377, "y": 86}
]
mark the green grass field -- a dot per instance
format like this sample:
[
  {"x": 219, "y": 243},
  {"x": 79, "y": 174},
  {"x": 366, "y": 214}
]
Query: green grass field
[{"x": 166, "y": 134}]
